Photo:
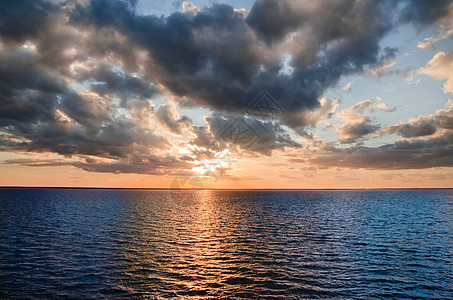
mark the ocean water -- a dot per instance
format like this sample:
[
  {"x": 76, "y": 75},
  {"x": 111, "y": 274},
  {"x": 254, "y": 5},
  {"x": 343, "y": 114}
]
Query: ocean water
[{"x": 151, "y": 244}]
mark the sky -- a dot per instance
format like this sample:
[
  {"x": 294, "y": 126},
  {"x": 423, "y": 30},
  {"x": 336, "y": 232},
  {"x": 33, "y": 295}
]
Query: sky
[{"x": 276, "y": 94}]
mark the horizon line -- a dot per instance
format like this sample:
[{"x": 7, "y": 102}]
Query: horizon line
[{"x": 226, "y": 189}]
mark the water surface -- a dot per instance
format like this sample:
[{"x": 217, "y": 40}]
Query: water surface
[{"x": 115, "y": 244}]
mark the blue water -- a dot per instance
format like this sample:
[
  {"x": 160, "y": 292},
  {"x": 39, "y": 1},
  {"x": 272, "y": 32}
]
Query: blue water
[{"x": 82, "y": 244}]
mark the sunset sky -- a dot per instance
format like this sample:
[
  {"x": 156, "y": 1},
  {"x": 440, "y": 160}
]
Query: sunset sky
[{"x": 233, "y": 94}]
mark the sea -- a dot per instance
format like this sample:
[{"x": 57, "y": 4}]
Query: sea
[{"x": 224, "y": 244}]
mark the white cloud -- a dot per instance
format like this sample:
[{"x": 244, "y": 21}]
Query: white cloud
[
  {"x": 380, "y": 70},
  {"x": 189, "y": 7},
  {"x": 441, "y": 67},
  {"x": 348, "y": 87},
  {"x": 430, "y": 42}
]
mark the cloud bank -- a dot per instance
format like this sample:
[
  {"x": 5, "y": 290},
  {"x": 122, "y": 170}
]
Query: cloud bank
[{"x": 81, "y": 78}]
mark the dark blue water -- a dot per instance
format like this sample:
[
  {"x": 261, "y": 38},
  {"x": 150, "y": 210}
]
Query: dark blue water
[{"x": 62, "y": 243}]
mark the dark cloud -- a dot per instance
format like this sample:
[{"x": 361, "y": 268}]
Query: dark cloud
[
  {"x": 106, "y": 81},
  {"x": 170, "y": 120},
  {"x": 78, "y": 78},
  {"x": 427, "y": 143},
  {"x": 150, "y": 165},
  {"x": 41, "y": 112},
  {"x": 202, "y": 137},
  {"x": 422, "y": 12},
  {"x": 117, "y": 140},
  {"x": 419, "y": 154},
  {"x": 423, "y": 125},
  {"x": 241, "y": 134},
  {"x": 351, "y": 132},
  {"x": 219, "y": 59},
  {"x": 24, "y": 19},
  {"x": 249, "y": 134},
  {"x": 444, "y": 118},
  {"x": 272, "y": 20},
  {"x": 28, "y": 93}
]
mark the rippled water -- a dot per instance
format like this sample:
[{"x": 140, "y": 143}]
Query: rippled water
[{"x": 58, "y": 243}]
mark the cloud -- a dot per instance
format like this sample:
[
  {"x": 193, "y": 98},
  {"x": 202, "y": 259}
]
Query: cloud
[
  {"x": 41, "y": 111},
  {"x": 152, "y": 165},
  {"x": 445, "y": 30},
  {"x": 28, "y": 92},
  {"x": 382, "y": 69},
  {"x": 79, "y": 78},
  {"x": 202, "y": 137},
  {"x": 104, "y": 80},
  {"x": 370, "y": 105},
  {"x": 422, "y": 13},
  {"x": 30, "y": 19},
  {"x": 171, "y": 120},
  {"x": 208, "y": 74},
  {"x": 427, "y": 142},
  {"x": 430, "y": 42},
  {"x": 441, "y": 67},
  {"x": 347, "y": 87},
  {"x": 249, "y": 134},
  {"x": 444, "y": 117},
  {"x": 357, "y": 125},
  {"x": 310, "y": 118},
  {"x": 419, "y": 154},
  {"x": 189, "y": 7},
  {"x": 424, "y": 125},
  {"x": 352, "y": 131}
]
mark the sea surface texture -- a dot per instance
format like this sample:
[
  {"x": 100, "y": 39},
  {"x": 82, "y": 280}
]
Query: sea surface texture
[{"x": 155, "y": 244}]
